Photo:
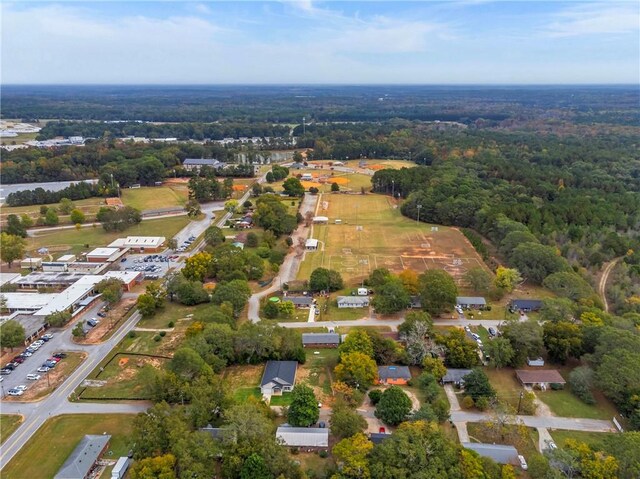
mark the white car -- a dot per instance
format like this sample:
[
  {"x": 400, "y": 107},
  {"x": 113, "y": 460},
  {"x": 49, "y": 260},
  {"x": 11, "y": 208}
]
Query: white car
[
  {"x": 33, "y": 377},
  {"x": 22, "y": 387},
  {"x": 523, "y": 463},
  {"x": 43, "y": 369},
  {"x": 15, "y": 392}
]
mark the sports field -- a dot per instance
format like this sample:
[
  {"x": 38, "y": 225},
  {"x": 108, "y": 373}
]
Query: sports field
[
  {"x": 322, "y": 179},
  {"x": 374, "y": 234}
]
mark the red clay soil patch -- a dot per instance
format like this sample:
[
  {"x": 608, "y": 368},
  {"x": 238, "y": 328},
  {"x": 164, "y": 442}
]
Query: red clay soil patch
[
  {"x": 123, "y": 362},
  {"x": 117, "y": 202},
  {"x": 376, "y": 167},
  {"x": 239, "y": 187}
]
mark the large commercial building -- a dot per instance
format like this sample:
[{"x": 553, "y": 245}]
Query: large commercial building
[{"x": 141, "y": 244}]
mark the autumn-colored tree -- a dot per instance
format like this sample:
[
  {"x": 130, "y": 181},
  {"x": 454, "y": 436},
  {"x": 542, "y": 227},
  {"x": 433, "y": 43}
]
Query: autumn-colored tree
[
  {"x": 198, "y": 266},
  {"x": 12, "y": 247},
  {"x": 507, "y": 278},
  {"x": 159, "y": 467},
  {"x": 434, "y": 366},
  {"x": 351, "y": 455},
  {"x": 357, "y": 341},
  {"x": 357, "y": 370},
  {"x": 409, "y": 280}
]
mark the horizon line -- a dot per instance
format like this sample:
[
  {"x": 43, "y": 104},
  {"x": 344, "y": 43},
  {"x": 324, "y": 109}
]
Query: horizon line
[{"x": 316, "y": 84}]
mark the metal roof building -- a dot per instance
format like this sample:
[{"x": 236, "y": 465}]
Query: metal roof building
[
  {"x": 498, "y": 452},
  {"x": 303, "y": 436},
  {"x": 471, "y": 301},
  {"x": 353, "y": 301},
  {"x": 79, "y": 464},
  {"x": 309, "y": 339}
]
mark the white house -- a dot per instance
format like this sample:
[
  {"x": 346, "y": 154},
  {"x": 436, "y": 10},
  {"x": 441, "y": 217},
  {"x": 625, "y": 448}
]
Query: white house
[{"x": 353, "y": 301}]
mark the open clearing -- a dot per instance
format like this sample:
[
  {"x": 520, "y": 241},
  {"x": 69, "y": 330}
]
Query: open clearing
[
  {"x": 155, "y": 197},
  {"x": 374, "y": 234},
  {"x": 89, "y": 207},
  {"x": 8, "y": 424},
  {"x": 323, "y": 177},
  {"x": 47, "y": 450},
  {"x": 85, "y": 239}
]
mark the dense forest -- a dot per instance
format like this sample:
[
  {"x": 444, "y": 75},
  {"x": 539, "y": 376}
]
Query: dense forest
[{"x": 288, "y": 104}]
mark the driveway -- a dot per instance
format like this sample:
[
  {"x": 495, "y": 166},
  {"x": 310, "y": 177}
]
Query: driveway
[
  {"x": 567, "y": 423},
  {"x": 290, "y": 266}
]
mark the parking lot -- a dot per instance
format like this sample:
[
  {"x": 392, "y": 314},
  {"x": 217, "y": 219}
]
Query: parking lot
[{"x": 154, "y": 266}]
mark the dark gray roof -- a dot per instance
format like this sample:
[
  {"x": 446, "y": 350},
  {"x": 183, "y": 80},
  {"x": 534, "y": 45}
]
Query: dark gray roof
[
  {"x": 84, "y": 456},
  {"x": 378, "y": 437},
  {"x": 299, "y": 300},
  {"x": 202, "y": 162},
  {"x": 320, "y": 338},
  {"x": 463, "y": 300},
  {"x": 455, "y": 375},
  {"x": 526, "y": 303},
  {"x": 498, "y": 452},
  {"x": 279, "y": 372},
  {"x": 394, "y": 372}
]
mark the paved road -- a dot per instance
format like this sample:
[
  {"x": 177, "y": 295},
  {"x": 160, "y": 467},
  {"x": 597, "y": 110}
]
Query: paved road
[
  {"x": 35, "y": 414},
  {"x": 568, "y": 423},
  {"x": 391, "y": 323},
  {"x": 289, "y": 268}
]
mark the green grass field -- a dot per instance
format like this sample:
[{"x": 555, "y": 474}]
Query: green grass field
[
  {"x": 324, "y": 177},
  {"x": 76, "y": 241},
  {"x": 591, "y": 438},
  {"x": 374, "y": 234},
  {"x": 8, "y": 424},
  {"x": 89, "y": 207},
  {"x": 564, "y": 403},
  {"x": 172, "y": 312},
  {"x": 47, "y": 450},
  {"x": 153, "y": 198},
  {"x": 526, "y": 445},
  {"x": 506, "y": 385},
  {"x": 284, "y": 400}
]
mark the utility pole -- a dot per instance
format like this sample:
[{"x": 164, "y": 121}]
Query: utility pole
[
  {"x": 418, "y": 220},
  {"x": 393, "y": 189},
  {"x": 520, "y": 401},
  {"x": 304, "y": 125}
]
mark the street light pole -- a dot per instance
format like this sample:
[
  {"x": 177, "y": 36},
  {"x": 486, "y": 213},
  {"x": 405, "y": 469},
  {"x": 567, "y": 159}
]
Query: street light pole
[
  {"x": 418, "y": 220},
  {"x": 393, "y": 189}
]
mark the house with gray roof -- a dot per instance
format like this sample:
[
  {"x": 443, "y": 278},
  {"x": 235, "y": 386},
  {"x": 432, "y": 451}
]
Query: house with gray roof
[
  {"x": 300, "y": 301},
  {"x": 304, "y": 437},
  {"x": 353, "y": 301},
  {"x": 455, "y": 376},
  {"x": 278, "y": 377},
  {"x": 525, "y": 305},
  {"x": 471, "y": 302},
  {"x": 499, "y": 453},
  {"x": 80, "y": 464},
  {"x": 393, "y": 374},
  {"x": 320, "y": 340}
]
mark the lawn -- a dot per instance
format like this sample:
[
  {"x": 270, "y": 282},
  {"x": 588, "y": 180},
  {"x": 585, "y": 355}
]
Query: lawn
[
  {"x": 172, "y": 312},
  {"x": 506, "y": 385},
  {"x": 242, "y": 395},
  {"x": 591, "y": 438},
  {"x": 47, "y": 450},
  {"x": 89, "y": 207},
  {"x": 312, "y": 463},
  {"x": 85, "y": 239},
  {"x": 8, "y": 424},
  {"x": 374, "y": 234},
  {"x": 323, "y": 178},
  {"x": 564, "y": 403},
  {"x": 284, "y": 400},
  {"x": 154, "y": 197},
  {"x": 317, "y": 371}
]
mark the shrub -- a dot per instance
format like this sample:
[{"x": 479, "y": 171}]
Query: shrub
[
  {"x": 157, "y": 338},
  {"x": 323, "y": 454},
  {"x": 171, "y": 324},
  {"x": 557, "y": 386},
  {"x": 132, "y": 334},
  {"x": 163, "y": 333},
  {"x": 482, "y": 403},
  {"x": 468, "y": 402},
  {"x": 289, "y": 241},
  {"x": 374, "y": 396}
]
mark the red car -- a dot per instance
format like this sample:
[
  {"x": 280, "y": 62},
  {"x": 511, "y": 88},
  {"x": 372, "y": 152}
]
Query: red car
[
  {"x": 54, "y": 360},
  {"x": 382, "y": 430},
  {"x": 18, "y": 359}
]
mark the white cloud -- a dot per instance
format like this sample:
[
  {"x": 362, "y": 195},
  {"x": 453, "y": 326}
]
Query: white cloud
[{"x": 595, "y": 19}]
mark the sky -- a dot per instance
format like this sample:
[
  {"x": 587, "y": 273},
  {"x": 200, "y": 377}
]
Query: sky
[{"x": 336, "y": 42}]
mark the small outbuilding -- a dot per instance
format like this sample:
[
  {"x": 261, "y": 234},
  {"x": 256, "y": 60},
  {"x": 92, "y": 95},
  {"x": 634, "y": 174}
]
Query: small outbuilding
[
  {"x": 120, "y": 469},
  {"x": 311, "y": 244},
  {"x": 541, "y": 378},
  {"x": 353, "y": 301},
  {"x": 31, "y": 263},
  {"x": 535, "y": 362},
  {"x": 398, "y": 375},
  {"x": 303, "y": 437},
  {"x": 471, "y": 302},
  {"x": 498, "y": 452},
  {"x": 320, "y": 340},
  {"x": 320, "y": 220}
]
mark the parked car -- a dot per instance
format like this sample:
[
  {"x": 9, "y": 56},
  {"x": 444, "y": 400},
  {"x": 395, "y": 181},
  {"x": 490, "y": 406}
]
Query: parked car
[
  {"x": 93, "y": 322},
  {"x": 33, "y": 377},
  {"x": 15, "y": 392},
  {"x": 59, "y": 355},
  {"x": 123, "y": 260},
  {"x": 54, "y": 360},
  {"x": 43, "y": 369},
  {"x": 5, "y": 372},
  {"x": 18, "y": 359},
  {"x": 28, "y": 353},
  {"x": 523, "y": 463},
  {"x": 492, "y": 332},
  {"x": 47, "y": 337},
  {"x": 11, "y": 366},
  {"x": 382, "y": 430},
  {"x": 49, "y": 364},
  {"x": 22, "y": 387},
  {"x": 102, "y": 314}
]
